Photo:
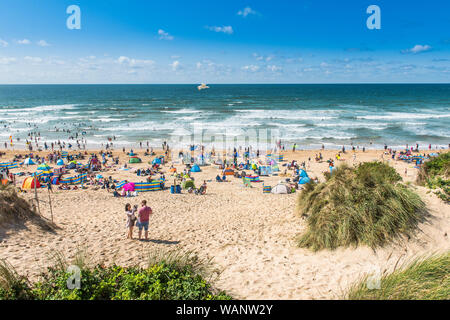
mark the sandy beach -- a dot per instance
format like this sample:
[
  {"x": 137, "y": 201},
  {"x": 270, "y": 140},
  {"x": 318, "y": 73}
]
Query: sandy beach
[{"x": 250, "y": 236}]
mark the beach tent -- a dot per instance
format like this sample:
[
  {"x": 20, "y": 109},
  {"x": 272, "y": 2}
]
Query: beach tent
[
  {"x": 156, "y": 161},
  {"x": 267, "y": 189},
  {"x": 135, "y": 160},
  {"x": 28, "y": 162},
  {"x": 229, "y": 172},
  {"x": 304, "y": 180},
  {"x": 280, "y": 189},
  {"x": 60, "y": 162},
  {"x": 188, "y": 184},
  {"x": 195, "y": 168},
  {"x": 30, "y": 182},
  {"x": 303, "y": 174},
  {"x": 155, "y": 185},
  {"x": 253, "y": 178}
]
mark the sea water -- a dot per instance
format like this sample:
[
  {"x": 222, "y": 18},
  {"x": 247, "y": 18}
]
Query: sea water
[{"x": 309, "y": 115}]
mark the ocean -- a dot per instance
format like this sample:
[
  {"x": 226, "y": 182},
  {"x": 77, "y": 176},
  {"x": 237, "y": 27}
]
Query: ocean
[{"x": 368, "y": 115}]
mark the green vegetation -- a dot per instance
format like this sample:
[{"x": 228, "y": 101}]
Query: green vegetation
[
  {"x": 424, "y": 279},
  {"x": 366, "y": 205},
  {"x": 435, "y": 174},
  {"x": 176, "y": 277}
]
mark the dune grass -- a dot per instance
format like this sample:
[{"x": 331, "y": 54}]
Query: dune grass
[
  {"x": 423, "y": 279},
  {"x": 172, "y": 277},
  {"x": 435, "y": 174},
  {"x": 366, "y": 205}
]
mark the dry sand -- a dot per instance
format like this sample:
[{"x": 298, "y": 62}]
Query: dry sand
[{"x": 249, "y": 235}]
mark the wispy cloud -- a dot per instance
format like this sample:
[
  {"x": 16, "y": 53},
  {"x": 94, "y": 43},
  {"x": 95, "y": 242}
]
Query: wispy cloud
[
  {"x": 34, "y": 60},
  {"x": 246, "y": 12},
  {"x": 43, "y": 43},
  {"x": 224, "y": 29},
  {"x": 3, "y": 43},
  {"x": 24, "y": 41},
  {"x": 418, "y": 48},
  {"x": 7, "y": 60},
  {"x": 134, "y": 63},
  {"x": 175, "y": 65},
  {"x": 251, "y": 68},
  {"x": 274, "y": 68},
  {"x": 163, "y": 35}
]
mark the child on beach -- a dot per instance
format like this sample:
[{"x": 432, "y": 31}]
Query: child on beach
[{"x": 131, "y": 219}]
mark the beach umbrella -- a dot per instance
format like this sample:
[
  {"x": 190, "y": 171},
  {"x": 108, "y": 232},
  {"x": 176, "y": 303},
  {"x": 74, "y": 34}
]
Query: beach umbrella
[
  {"x": 129, "y": 187},
  {"x": 44, "y": 167}
]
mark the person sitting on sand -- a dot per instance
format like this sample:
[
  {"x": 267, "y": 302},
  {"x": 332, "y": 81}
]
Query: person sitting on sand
[
  {"x": 131, "y": 219},
  {"x": 143, "y": 218}
]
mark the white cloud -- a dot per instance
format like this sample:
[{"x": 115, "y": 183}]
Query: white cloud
[
  {"x": 3, "y": 43},
  {"x": 35, "y": 60},
  {"x": 324, "y": 65},
  {"x": 251, "y": 68},
  {"x": 43, "y": 43},
  {"x": 224, "y": 29},
  {"x": 274, "y": 68},
  {"x": 246, "y": 11},
  {"x": 418, "y": 48},
  {"x": 175, "y": 65},
  {"x": 134, "y": 63},
  {"x": 7, "y": 60},
  {"x": 164, "y": 35},
  {"x": 24, "y": 41},
  {"x": 263, "y": 58}
]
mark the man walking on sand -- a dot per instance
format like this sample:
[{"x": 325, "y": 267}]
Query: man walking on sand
[{"x": 143, "y": 219}]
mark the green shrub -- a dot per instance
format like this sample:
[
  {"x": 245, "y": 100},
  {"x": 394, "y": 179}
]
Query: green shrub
[
  {"x": 423, "y": 279},
  {"x": 435, "y": 173},
  {"x": 365, "y": 205},
  {"x": 159, "y": 281}
]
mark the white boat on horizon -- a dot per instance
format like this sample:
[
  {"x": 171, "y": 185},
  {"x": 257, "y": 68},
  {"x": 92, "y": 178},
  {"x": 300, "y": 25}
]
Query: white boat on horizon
[{"x": 202, "y": 87}]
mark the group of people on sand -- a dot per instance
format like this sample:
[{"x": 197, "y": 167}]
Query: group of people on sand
[{"x": 139, "y": 217}]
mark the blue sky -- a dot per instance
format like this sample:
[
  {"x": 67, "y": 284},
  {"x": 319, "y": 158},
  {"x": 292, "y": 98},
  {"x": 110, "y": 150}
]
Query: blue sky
[{"x": 255, "y": 41}]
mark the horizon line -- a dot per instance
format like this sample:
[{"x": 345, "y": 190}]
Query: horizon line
[{"x": 227, "y": 83}]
